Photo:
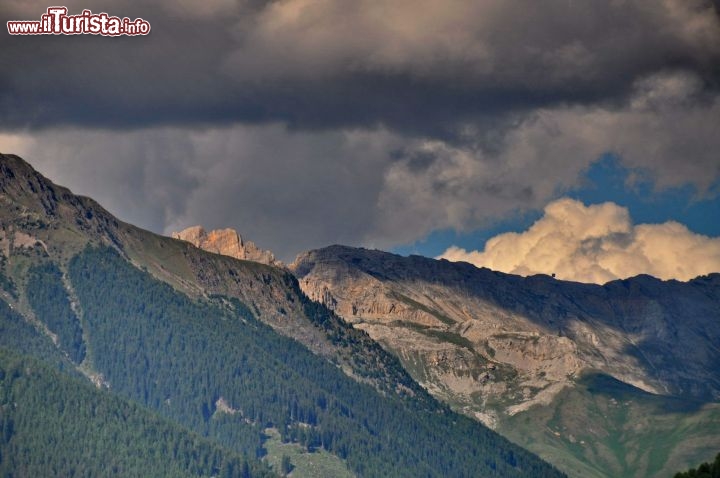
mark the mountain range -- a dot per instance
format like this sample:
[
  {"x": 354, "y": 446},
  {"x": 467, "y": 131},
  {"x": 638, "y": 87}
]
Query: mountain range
[
  {"x": 348, "y": 359},
  {"x": 603, "y": 381},
  {"x": 206, "y": 362}
]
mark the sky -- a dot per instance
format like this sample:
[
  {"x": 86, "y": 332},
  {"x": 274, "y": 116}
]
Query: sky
[{"x": 588, "y": 131}]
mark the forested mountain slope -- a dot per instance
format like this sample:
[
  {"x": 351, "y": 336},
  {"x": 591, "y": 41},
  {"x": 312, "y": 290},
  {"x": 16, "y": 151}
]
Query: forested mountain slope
[
  {"x": 222, "y": 347},
  {"x": 38, "y": 217},
  {"x": 56, "y": 425}
]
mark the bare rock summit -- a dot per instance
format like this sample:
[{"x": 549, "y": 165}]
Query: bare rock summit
[{"x": 226, "y": 242}]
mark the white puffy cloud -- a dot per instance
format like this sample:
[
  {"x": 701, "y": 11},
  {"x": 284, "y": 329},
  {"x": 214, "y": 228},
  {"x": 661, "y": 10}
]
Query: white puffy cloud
[{"x": 596, "y": 243}]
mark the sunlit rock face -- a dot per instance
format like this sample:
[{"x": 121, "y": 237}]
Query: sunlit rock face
[
  {"x": 226, "y": 242},
  {"x": 495, "y": 344}
]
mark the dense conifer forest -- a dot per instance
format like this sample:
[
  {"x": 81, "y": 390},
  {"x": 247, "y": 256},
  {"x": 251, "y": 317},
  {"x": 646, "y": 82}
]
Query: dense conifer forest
[
  {"x": 56, "y": 425},
  {"x": 190, "y": 386},
  {"x": 183, "y": 358},
  {"x": 48, "y": 298}
]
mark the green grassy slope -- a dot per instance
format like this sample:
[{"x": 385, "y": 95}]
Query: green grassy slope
[
  {"x": 604, "y": 428},
  {"x": 303, "y": 463}
]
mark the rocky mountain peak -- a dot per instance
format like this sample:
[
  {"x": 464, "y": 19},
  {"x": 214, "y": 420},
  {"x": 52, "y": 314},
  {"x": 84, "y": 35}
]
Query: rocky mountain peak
[
  {"x": 33, "y": 208},
  {"x": 226, "y": 242},
  {"x": 23, "y": 185}
]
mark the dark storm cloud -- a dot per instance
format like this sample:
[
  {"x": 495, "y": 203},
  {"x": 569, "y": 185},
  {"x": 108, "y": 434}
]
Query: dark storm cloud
[
  {"x": 420, "y": 66},
  {"x": 308, "y": 122},
  {"x": 145, "y": 177},
  {"x": 285, "y": 191}
]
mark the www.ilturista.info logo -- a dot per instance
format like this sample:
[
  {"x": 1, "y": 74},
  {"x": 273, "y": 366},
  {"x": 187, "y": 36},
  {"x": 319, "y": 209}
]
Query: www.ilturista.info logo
[{"x": 57, "y": 22}]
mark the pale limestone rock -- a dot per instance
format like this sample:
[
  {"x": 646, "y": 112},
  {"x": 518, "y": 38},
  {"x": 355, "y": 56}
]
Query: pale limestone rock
[{"x": 226, "y": 242}]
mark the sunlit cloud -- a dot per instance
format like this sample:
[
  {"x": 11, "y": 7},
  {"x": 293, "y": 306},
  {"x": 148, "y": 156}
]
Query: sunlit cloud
[{"x": 596, "y": 243}]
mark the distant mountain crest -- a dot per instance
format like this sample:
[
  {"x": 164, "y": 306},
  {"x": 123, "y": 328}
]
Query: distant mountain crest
[{"x": 226, "y": 242}]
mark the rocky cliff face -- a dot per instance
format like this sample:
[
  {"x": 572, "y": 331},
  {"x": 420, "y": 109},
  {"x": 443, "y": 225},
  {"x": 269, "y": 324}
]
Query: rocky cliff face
[
  {"x": 226, "y": 242},
  {"x": 494, "y": 344}
]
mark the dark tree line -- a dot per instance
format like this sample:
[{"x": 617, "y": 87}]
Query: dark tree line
[{"x": 706, "y": 470}]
